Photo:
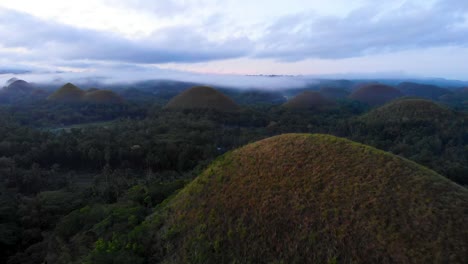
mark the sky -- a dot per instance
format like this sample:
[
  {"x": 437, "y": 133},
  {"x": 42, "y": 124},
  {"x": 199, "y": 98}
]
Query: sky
[{"x": 144, "y": 39}]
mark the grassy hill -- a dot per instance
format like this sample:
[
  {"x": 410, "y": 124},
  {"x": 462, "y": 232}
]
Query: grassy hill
[
  {"x": 375, "y": 94},
  {"x": 300, "y": 198},
  {"x": 67, "y": 93},
  {"x": 202, "y": 97},
  {"x": 410, "y": 110},
  {"x": 309, "y": 100},
  {"x": 102, "y": 97}
]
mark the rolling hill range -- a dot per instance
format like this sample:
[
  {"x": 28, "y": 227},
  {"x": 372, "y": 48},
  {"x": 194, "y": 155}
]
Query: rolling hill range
[
  {"x": 375, "y": 94},
  {"x": 301, "y": 198},
  {"x": 309, "y": 100},
  {"x": 69, "y": 93},
  {"x": 202, "y": 97}
]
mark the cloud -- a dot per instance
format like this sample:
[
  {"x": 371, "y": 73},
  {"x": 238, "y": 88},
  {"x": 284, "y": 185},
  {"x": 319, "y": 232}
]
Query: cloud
[
  {"x": 161, "y": 8},
  {"x": 368, "y": 30},
  {"x": 216, "y": 33},
  {"x": 57, "y": 41}
]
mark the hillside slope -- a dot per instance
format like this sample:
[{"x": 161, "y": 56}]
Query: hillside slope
[{"x": 300, "y": 198}]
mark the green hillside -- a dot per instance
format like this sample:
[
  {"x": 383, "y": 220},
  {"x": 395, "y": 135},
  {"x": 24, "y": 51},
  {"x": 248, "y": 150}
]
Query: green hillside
[
  {"x": 202, "y": 97},
  {"x": 300, "y": 198}
]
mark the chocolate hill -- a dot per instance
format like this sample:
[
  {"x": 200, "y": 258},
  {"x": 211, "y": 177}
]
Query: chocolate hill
[
  {"x": 410, "y": 110},
  {"x": 375, "y": 94},
  {"x": 70, "y": 93},
  {"x": 67, "y": 93},
  {"x": 202, "y": 97},
  {"x": 300, "y": 198}
]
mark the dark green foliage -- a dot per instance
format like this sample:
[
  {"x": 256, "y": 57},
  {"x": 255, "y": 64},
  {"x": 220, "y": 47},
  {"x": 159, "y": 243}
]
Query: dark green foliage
[{"x": 80, "y": 181}]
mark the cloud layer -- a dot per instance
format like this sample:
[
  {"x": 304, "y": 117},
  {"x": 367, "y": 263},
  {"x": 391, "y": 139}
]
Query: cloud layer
[{"x": 213, "y": 34}]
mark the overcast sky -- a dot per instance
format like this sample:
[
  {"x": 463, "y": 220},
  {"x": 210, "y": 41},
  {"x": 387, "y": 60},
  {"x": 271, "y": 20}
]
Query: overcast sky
[{"x": 422, "y": 38}]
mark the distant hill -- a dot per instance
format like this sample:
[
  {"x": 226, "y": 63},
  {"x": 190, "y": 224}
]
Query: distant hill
[
  {"x": 458, "y": 99},
  {"x": 300, "y": 198},
  {"x": 68, "y": 93},
  {"x": 333, "y": 93},
  {"x": 410, "y": 110},
  {"x": 375, "y": 94},
  {"x": 202, "y": 97},
  {"x": 309, "y": 100},
  {"x": 20, "y": 91},
  {"x": 11, "y": 80},
  {"x": 422, "y": 90},
  {"x": 19, "y": 87},
  {"x": 102, "y": 97}
]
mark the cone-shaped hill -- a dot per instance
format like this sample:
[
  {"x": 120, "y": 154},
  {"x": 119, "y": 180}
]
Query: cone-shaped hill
[
  {"x": 375, "y": 94},
  {"x": 67, "y": 93},
  {"x": 300, "y": 198},
  {"x": 19, "y": 87},
  {"x": 102, "y": 97},
  {"x": 202, "y": 97},
  {"x": 409, "y": 110},
  {"x": 309, "y": 100}
]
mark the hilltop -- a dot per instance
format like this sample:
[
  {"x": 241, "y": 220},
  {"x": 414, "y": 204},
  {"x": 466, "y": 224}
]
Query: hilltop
[
  {"x": 202, "y": 97},
  {"x": 375, "y": 94},
  {"x": 309, "y": 100},
  {"x": 299, "y": 198},
  {"x": 410, "y": 110},
  {"x": 67, "y": 93}
]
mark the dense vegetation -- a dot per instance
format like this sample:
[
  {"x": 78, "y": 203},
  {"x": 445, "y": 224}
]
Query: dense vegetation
[{"x": 80, "y": 180}]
